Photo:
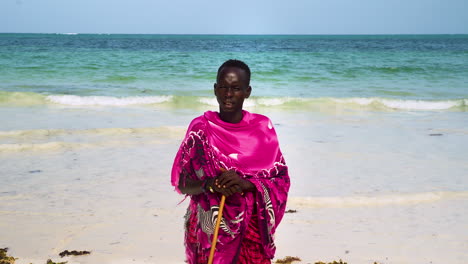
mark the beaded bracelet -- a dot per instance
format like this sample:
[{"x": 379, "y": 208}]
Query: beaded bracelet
[{"x": 204, "y": 186}]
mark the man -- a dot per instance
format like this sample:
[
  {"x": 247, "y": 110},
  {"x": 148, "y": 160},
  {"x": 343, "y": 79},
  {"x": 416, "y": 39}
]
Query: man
[{"x": 234, "y": 153}]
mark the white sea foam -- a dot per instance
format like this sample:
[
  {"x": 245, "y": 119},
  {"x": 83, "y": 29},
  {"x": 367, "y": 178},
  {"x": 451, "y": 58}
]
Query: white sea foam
[
  {"x": 382, "y": 200},
  {"x": 306, "y": 103},
  {"x": 253, "y": 101},
  {"x": 405, "y": 104},
  {"x": 249, "y": 103},
  {"x": 420, "y": 105},
  {"x": 208, "y": 101},
  {"x": 277, "y": 101},
  {"x": 106, "y": 100},
  {"x": 361, "y": 101}
]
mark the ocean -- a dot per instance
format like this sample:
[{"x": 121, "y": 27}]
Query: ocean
[
  {"x": 374, "y": 129},
  {"x": 409, "y": 72}
]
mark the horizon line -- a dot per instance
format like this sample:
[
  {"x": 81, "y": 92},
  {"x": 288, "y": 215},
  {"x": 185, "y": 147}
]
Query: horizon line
[{"x": 239, "y": 34}]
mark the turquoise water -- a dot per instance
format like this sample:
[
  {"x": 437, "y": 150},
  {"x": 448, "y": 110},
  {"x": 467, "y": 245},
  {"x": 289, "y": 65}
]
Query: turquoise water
[{"x": 421, "y": 72}]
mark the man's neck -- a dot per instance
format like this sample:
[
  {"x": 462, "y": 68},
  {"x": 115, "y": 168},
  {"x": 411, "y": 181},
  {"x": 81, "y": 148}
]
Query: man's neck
[{"x": 231, "y": 117}]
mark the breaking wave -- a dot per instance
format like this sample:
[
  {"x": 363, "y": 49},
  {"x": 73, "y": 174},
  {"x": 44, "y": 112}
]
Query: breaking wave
[
  {"x": 405, "y": 104},
  {"x": 307, "y": 103},
  {"x": 76, "y": 100},
  {"x": 371, "y": 104}
]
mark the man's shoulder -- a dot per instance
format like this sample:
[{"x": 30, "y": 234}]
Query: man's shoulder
[
  {"x": 260, "y": 119},
  {"x": 197, "y": 123}
]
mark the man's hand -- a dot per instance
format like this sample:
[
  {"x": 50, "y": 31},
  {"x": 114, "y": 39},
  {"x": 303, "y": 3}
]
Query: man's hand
[{"x": 229, "y": 183}]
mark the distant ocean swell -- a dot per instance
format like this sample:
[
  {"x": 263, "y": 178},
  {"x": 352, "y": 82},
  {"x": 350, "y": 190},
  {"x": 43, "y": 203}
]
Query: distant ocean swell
[{"x": 307, "y": 103}]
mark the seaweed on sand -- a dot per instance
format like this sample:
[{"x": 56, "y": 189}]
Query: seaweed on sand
[
  {"x": 49, "y": 261},
  {"x": 287, "y": 260},
  {"x": 334, "y": 262},
  {"x": 4, "y": 259},
  {"x": 73, "y": 252}
]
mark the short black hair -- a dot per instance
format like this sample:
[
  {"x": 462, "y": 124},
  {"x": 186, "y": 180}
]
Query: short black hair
[{"x": 235, "y": 63}]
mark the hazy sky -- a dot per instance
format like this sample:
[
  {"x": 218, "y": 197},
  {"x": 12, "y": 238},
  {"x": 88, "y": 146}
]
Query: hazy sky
[{"x": 235, "y": 17}]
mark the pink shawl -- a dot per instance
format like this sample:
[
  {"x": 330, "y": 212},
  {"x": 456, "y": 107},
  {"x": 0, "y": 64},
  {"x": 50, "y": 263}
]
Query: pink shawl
[{"x": 249, "y": 147}]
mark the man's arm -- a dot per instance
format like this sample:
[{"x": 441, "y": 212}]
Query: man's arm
[{"x": 189, "y": 186}]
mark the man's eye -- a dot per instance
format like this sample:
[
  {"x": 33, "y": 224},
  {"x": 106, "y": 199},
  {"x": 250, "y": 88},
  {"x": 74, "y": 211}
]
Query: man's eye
[{"x": 236, "y": 88}]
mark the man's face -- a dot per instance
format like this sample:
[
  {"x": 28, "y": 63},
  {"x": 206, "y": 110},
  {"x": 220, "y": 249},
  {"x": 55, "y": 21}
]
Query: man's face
[{"x": 231, "y": 89}]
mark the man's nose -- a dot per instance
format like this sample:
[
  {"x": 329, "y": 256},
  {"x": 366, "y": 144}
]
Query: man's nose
[{"x": 229, "y": 91}]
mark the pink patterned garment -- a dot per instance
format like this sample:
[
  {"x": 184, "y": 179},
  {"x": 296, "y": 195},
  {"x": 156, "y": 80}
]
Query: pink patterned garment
[{"x": 249, "y": 147}]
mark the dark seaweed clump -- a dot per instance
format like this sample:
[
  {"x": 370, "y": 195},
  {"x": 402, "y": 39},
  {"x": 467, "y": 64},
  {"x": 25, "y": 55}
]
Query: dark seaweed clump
[
  {"x": 73, "y": 252},
  {"x": 49, "y": 261},
  {"x": 287, "y": 260},
  {"x": 334, "y": 262},
  {"x": 4, "y": 259}
]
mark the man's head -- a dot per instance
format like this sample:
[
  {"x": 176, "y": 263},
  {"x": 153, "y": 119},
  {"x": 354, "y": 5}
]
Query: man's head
[
  {"x": 232, "y": 85},
  {"x": 235, "y": 64}
]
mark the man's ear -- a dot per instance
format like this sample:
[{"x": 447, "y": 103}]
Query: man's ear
[
  {"x": 248, "y": 91},
  {"x": 214, "y": 88}
]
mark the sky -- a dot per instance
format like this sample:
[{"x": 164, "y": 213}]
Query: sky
[{"x": 235, "y": 17}]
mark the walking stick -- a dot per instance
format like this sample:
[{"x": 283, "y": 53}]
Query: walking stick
[
  {"x": 218, "y": 222},
  {"x": 215, "y": 235}
]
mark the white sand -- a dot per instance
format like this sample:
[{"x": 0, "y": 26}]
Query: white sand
[{"x": 108, "y": 192}]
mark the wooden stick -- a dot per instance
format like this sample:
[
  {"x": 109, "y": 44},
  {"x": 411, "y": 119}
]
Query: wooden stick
[
  {"x": 215, "y": 235},
  {"x": 218, "y": 222}
]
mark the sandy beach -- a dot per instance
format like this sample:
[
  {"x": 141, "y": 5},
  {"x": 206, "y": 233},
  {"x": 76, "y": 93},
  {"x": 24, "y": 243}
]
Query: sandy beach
[
  {"x": 373, "y": 129},
  {"x": 107, "y": 190}
]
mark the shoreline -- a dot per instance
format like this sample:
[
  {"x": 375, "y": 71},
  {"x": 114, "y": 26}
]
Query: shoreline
[{"x": 365, "y": 234}]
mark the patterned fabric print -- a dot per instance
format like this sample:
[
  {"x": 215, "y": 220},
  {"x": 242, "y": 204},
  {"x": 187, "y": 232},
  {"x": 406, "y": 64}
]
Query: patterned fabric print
[
  {"x": 191, "y": 241},
  {"x": 251, "y": 251},
  {"x": 269, "y": 207},
  {"x": 207, "y": 220},
  {"x": 251, "y": 149},
  {"x": 272, "y": 206}
]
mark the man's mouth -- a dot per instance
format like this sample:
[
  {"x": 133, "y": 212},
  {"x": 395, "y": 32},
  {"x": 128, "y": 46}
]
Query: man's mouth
[{"x": 228, "y": 103}]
